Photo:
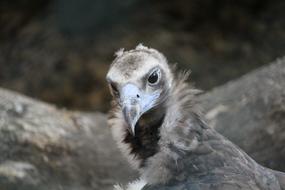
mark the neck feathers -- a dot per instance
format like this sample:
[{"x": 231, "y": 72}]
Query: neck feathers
[{"x": 174, "y": 111}]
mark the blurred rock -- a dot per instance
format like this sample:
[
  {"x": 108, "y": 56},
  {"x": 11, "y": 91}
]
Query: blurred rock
[
  {"x": 19, "y": 174},
  {"x": 45, "y": 148},
  {"x": 250, "y": 111}
]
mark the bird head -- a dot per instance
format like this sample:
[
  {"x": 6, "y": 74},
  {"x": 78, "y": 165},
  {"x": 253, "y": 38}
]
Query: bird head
[{"x": 139, "y": 81}]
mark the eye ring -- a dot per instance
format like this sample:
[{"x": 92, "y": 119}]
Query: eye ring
[{"x": 154, "y": 77}]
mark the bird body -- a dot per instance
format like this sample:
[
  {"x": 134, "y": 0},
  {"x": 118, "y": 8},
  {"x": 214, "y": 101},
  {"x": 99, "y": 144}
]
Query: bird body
[{"x": 159, "y": 128}]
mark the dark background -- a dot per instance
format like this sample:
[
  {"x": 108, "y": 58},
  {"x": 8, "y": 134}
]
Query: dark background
[{"x": 59, "y": 51}]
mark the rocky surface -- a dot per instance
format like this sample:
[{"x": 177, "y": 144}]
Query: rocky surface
[
  {"x": 45, "y": 148},
  {"x": 250, "y": 112}
]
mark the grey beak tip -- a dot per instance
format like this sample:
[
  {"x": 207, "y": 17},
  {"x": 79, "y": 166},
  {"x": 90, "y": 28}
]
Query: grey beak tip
[
  {"x": 133, "y": 127},
  {"x": 131, "y": 114}
]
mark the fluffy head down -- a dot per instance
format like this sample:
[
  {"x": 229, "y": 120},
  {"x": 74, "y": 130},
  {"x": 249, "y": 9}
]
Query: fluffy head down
[
  {"x": 134, "y": 64},
  {"x": 145, "y": 134},
  {"x": 139, "y": 81}
]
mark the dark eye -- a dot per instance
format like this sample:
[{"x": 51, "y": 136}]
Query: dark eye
[
  {"x": 153, "y": 78},
  {"x": 114, "y": 89}
]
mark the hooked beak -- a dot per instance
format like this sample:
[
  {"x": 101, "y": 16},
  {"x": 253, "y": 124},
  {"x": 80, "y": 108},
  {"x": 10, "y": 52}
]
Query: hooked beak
[
  {"x": 134, "y": 104},
  {"x": 132, "y": 113}
]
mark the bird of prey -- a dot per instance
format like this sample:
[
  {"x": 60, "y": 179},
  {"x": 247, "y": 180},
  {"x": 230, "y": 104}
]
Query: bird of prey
[{"x": 159, "y": 128}]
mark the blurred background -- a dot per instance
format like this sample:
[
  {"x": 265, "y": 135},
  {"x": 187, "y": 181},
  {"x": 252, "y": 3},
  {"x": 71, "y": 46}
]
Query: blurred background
[{"x": 59, "y": 51}]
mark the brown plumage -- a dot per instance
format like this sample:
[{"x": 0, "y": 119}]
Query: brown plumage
[{"x": 159, "y": 128}]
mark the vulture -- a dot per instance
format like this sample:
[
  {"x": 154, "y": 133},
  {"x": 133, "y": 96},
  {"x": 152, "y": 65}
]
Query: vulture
[{"x": 159, "y": 128}]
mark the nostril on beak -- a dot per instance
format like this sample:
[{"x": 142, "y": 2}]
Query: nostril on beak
[{"x": 138, "y": 95}]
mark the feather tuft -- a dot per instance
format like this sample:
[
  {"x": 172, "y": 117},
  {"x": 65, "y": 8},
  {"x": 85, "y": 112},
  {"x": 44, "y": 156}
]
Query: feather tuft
[
  {"x": 140, "y": 46},
  {"x": 120, "y": 52}
]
